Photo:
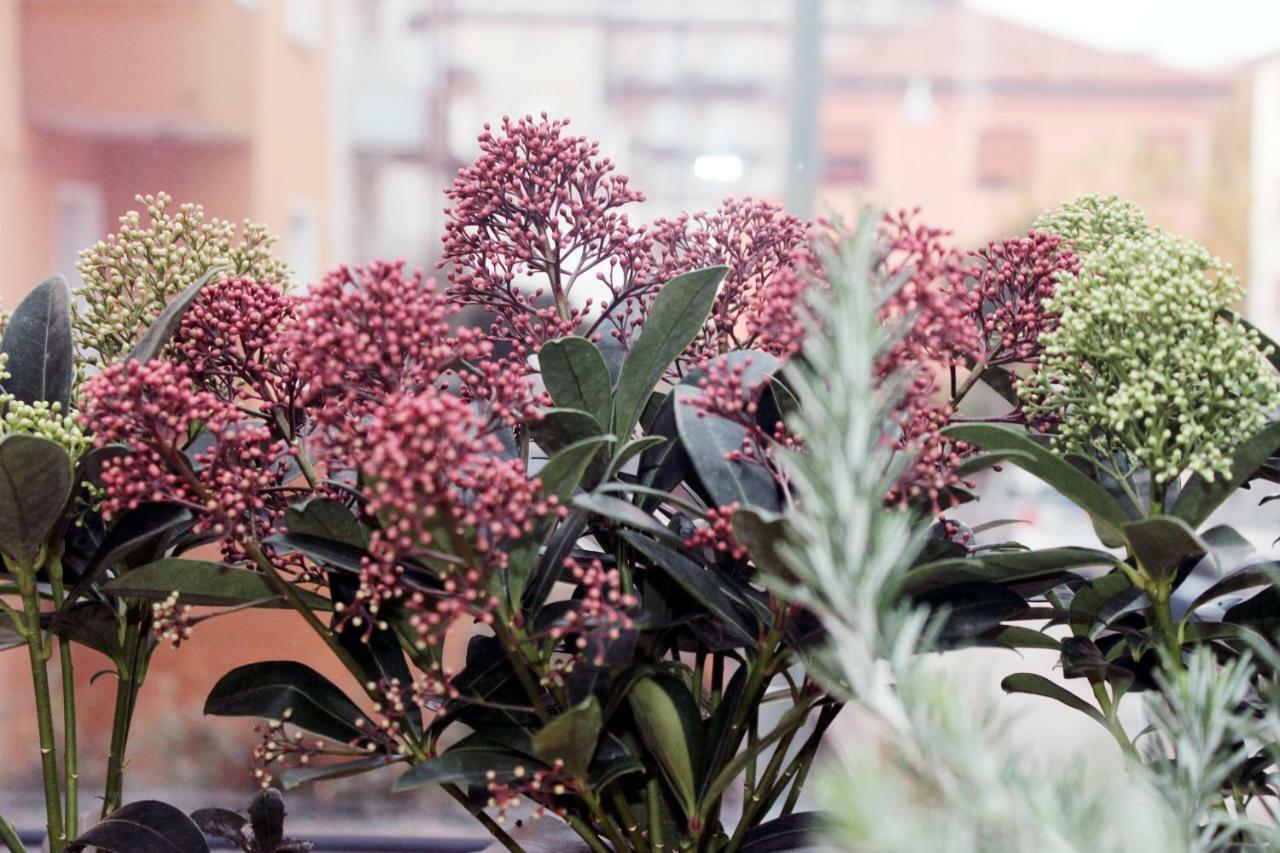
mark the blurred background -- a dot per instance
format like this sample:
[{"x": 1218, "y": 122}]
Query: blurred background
[{"x": 339, "y": 122}]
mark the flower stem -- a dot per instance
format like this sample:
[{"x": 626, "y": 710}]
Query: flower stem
[
  {"x": 70, "y": 772},
  {"x": 499, "y": 834},
  {"x": 9, "y": 836},
  {"x": 126, "y": 693},
  {"x": 26, "y": 578}
]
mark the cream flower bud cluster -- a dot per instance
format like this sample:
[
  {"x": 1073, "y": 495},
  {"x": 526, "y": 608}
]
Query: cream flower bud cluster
[
  {"x": 1142, "y": 365},
  {"x": 131, "y": 275},
  {"x": 47, "y": 420}
]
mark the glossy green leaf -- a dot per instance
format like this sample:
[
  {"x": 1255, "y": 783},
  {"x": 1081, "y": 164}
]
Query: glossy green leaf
[
  {"x": 1099, "y": 601},
  {"x": 970, "y": 609},
  {"x": 1246, "y": 577},
  {"x": 325, "y": 518},
  {"x": 675, "y": 319},
  {"x": 576, "y": 377},
  {"x": 1038, "y": 685},
  {"x": 467, "y": 762},
  {"x": 560, "y": 428},
  {"x": 202, "y": 582},
  {"x": 666, "y": 717},
  {"x": 708, "y": 440},
  {"x": 1041, "y": 462},
  {"x": 147, "y": 826},
  {"x": 1161, "y": 543},
  {"x": 38, "y": 344},
  {"x": 703, "y": 585},
  {"x": 626, "y": 514},
  {"x": 304, "y": 775},
  {"x": 1200, "y": 497},
  {"x": 1019, "y": 637},
  {"x": 35, "y": 483},
  {"x": 290, "y": 690},
  {"x": 564, "y": 471},
  {"x": 571, "y": 737},
  {"x": 1002, "y": 567}
]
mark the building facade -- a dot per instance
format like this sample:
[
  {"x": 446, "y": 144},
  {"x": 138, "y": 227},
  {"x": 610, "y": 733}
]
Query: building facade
[{"x": 222, "y": 102}]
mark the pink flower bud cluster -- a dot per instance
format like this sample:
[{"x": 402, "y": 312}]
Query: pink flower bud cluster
[
  {"x": 1012, "y": 281},
  {"x": 541, "y": 786},
  {"x": 601, "y": 611},
  {"x": 155, "y": 410},
  {"x": 365, "y": 336},
  {"x": 229, "y": 342},
  {"x": 717, "y": 533},
  {"x": 763, "y": 246},
  {"x": 938, "y": 308},
  {"x": 726, "y": 393},
  {"x": 538, "y": 212},
  {"x": 447, "y": 497}
]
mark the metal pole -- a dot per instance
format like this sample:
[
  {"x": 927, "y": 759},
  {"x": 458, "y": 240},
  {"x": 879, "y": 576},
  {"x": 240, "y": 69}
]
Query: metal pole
[{"x": 805, "y": 155}]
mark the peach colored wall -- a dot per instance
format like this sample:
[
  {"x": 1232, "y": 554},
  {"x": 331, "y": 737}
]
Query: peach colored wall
[
  {"x": 176, "y": 63},
  {"x": 207, "y": 100},
  {"x": 1079, "y": 145}
]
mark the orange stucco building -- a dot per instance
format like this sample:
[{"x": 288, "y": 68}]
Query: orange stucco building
[
  {"x": 221, "y": 102},
  {"x": 984, "y": 123}
]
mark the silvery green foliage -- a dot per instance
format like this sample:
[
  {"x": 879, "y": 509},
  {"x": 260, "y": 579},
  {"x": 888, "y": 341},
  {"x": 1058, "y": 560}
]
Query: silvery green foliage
[
  {"x": 1203, "y": 726},
  {"x": 929, "y": 774}
]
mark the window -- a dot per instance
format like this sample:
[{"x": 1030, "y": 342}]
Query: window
[
  {"x": 79, "y": 223},
  {"x": 303, "y": 242},
  {"x": 849, "y": 159},
  {"x": 304, "y": 22},
  {"x": 1005, "y": 159}
]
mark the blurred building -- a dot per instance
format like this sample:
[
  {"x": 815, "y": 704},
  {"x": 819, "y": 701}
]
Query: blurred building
[
  {"x": 694, "y": 101},
  {"x": 984, "y": 123},
  {"x": 1264, "y": 184},
  {"x": 224, "y": 102}
]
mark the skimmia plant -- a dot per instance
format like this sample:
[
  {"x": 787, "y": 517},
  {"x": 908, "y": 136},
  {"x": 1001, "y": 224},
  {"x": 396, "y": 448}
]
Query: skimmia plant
[{"x": 620, "y": 556}]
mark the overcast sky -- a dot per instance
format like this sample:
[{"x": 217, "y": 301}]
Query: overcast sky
[{"x": 1190, "y": 33}]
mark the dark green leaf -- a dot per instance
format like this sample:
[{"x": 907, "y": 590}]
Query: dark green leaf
[
  {"x": 1161, "y": 543},
  {"x": 138, "y": 529},
  {"x": 1002, "y": 567},
  {"x": 796, "y": 831},
  {"x": 93, "y": 625},
  {"x": 38, "y": 344},
  {"x": 1099, "y": 601},
  {"x": 35, "y": 483},
  {"x": 230, "y": 826},
  {"x": 166, "y": 323},
  {"x": 559, "y": 428},
  {"x": 571, "y": 737},
  {"x": 763, "y": 534},
  {"x": 147, "y": 826},
  {"x": 1246, "y": 577},
  {"x": 668, "y": 721},
  {"x": 1038, "y": 685},
  {"x": 564, "y": 471},
  {"x": 708, "y": 439},
  {"x": 1018, "y": 637},
  {"x": 677, "y": 315},
  {"x": 970, "y": 609},
  {"x": 1069, "y": 481},
  {"x": 625, "y": 513},
  {"x": 325, "y": 518},
  {"x": 327, "y": 552},
  {"x": 1262, "y": 612},
  {"x": 279, "y": 690},
  {"x": 201, "y": 582},
  {"x": 705, "y": 587},
  {"x": 467, "y": 762},
  {"x": 1200, "y": 497},
  {"x": 296, "y": 776},
  {"x": 576, "y": 377}
]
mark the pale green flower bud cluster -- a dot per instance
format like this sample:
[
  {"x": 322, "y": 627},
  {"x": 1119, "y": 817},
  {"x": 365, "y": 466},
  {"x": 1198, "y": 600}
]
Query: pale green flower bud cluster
[
  {"x": 1091, "y": 222},
  {"x": 1142, "y": 367},
  {"x": 47, "y": 421},
  {"x": 131, "y": 275}
]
